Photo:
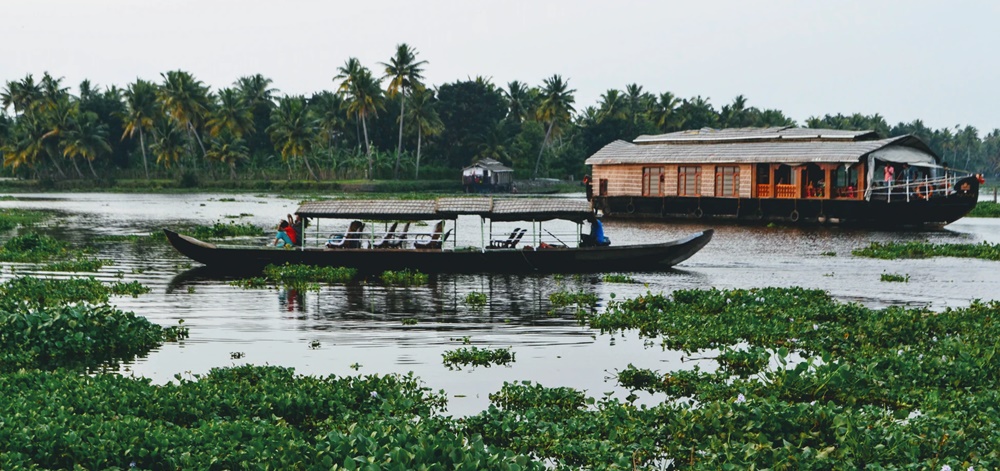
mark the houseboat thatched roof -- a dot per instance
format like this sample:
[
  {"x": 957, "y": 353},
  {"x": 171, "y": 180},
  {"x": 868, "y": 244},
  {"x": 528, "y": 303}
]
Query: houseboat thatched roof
[
  {"x": 764, "y": 145},
  {"x": 489, "y": 164}
]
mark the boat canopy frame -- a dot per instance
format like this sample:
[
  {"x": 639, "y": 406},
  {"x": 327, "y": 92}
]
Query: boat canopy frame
[{"x": 535, "y": 210}]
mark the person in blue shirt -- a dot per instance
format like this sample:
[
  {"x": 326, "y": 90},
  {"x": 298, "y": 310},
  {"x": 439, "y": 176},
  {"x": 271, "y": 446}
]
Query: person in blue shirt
[{"x": 596, "y": 237}]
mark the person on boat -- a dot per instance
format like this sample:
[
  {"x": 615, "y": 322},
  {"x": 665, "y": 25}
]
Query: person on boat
[
  {"x": 285, "y": 235},
  {"x": 298, "y": 226},
  {"x": 596, "y": 237}
]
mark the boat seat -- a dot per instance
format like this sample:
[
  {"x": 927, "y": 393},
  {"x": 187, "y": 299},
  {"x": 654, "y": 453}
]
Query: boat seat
[
  {"x": 387, "y": 238},
  {"x": 400, "y": 239},
  {"x": 501, "y": 243},
  {"x": 513, "y": 243},
  {"x": 349, "y": 240},
  {"x": 436, "y": 240}
]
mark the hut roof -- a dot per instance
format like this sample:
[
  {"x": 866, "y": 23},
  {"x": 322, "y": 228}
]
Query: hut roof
[
  {"x": 788, "y": 146},
  {"x": 497, "y": 209},
  {"x": 491, "y": 165}
]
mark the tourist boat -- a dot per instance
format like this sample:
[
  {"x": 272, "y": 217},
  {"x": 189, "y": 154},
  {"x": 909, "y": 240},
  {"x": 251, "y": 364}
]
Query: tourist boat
[
  {"x": 372, "y": 242},
  {"x": 780, "y": 174}
]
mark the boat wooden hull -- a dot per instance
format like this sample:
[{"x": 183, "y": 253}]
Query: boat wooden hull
[{"x": 648, "y": 257}]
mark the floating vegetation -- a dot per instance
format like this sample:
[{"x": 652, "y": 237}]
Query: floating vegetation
[
  {"x": 242, "y": 417},
  {"x": 221, "y": 230},
  {"x": 894, "y": 277},
  {"x": 829, "y": 254},
  {"x": 304, "y": 277},
  {"x": 129, "y": 238},
  {"x": 582, "y": 300},
  {"x": 34, "y": 248},
  {"x": 985, "y": 209},
  {"x": 897, "y": 250},
  {"x": 237, "y": 216},
  {"x": 405, "y": 277},
  {"x": 84, "y": 265},
  {"x": 28, "y": 292},
  {"x": 409, "y": 321},
  {"x": 475, "y": 300},
  {"x": 618, "y": 278},
  {"x": 13, "y": 217},
  {"x": 474, "y": 356},
  {"x": 66, "y": 323},
  {"x": 842, "y": 385}
]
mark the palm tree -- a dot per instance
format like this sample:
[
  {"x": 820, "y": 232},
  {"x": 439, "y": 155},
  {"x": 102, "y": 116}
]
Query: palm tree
[
  {"x": 185, "y": 100},
  {"x": 364, "y": 95},
  {"x": 229, "y": 149},
  {"x": 23, "y": 95},
  {"x": 612, "y": 105},
  {"x": 140, "y": 111},
  {"x": 556, "y": 109},
  {"x": 327, "y": 110},
  {"x": 25, "y": 143},
  {"x": 60, "y": 117},
  {"x": 168, "y": 142},
  {"x": 256, "y": 91},
  {"x": 88, "y": 138},
  {"x": 423, "y": 114},
  {"x": 403, "y": 72},
  {"x": 292, "y": 131},
  {"x": 233, "y": 114},
  {"x": 664, "y": 113},
  {"x": 520, "y": 101}
]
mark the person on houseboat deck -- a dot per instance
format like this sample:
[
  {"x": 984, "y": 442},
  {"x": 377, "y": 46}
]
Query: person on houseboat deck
[
  {"x": 596, "y": 237},
  {"x": 285, "y": 235}
]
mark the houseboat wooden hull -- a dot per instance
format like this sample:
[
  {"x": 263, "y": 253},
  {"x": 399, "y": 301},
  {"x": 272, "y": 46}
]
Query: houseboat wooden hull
[
  {"x": 902, "y": 210},
  {"x": 634, "y": 258}
]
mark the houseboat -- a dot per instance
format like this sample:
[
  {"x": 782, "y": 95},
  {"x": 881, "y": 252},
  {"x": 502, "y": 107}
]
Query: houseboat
[
  {"x": 780, "y": 174},
  {"x": 487, "y": 176}
]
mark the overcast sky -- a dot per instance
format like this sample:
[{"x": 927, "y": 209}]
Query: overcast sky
[{"x": 929, "y": 60}]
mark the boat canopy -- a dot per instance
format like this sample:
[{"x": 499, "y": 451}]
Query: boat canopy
[{"x": 495, "y": 209}]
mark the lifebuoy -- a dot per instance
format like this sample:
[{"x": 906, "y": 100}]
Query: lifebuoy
[
  {"x": 923, "y": 191},
  {"x": 630, "y": 208},
  {"x": 794, "y": 216},
  {"x": 698, "y": 213}
]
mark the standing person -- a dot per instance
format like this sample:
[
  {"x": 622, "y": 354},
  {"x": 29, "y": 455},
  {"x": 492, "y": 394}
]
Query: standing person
[
  {"x": 299, "y": 226},
  {"x": 888, "y": 177}
]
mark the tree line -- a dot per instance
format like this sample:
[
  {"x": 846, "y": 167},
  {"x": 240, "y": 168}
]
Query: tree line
[{"x": 375, "y": 123}]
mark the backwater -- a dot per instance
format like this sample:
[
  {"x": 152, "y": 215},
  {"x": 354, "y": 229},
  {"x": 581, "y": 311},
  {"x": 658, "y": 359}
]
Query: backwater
[{"x": 359, "y": 328}]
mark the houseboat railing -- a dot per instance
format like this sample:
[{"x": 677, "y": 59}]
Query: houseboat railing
[{"x": 908, "y": 190}]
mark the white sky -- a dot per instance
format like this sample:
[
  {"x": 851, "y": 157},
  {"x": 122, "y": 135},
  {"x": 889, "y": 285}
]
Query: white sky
[{"x": 906, "y": 60}]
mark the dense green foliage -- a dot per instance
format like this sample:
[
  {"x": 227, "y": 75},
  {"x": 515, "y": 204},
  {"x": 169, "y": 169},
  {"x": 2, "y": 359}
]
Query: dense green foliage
[
  {"x": 985, "y": 209},
  {"x": 33, "y": 248},
  {"x": 372, "y": 126},
  {"x": 897, "y": 250},
  {"x": 66, "y": 323},
  {"x": 849, "y": 387},
  {"x": 476, "y": 300},
  {"x": 475, "y": 356},
  {"x": 238, "y": 418}
]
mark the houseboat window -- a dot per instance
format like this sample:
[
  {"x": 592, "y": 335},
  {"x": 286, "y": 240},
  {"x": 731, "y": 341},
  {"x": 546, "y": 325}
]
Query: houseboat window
[
  {"x": 652, "y": 181},
  {"x": 602, "y": 187},
  {"x": 727, "y": 181},
  {"x": 688, "y": 181}
]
